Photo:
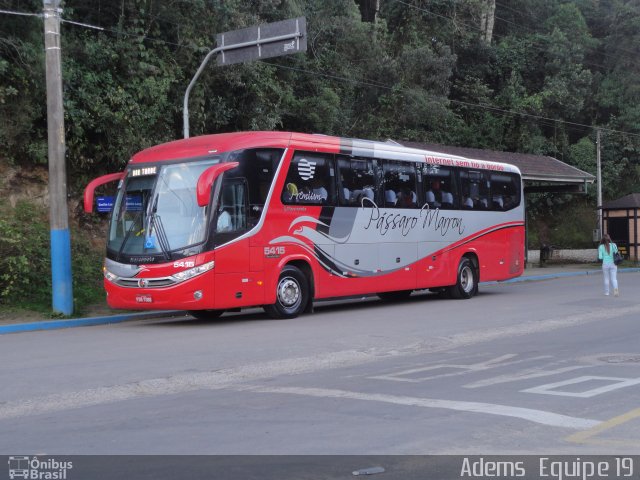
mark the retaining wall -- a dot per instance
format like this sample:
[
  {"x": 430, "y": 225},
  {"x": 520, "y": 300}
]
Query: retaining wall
[{"x": 588, "y": 255}]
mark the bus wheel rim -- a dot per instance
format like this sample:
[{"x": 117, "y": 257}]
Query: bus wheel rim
[
  {"x": 289, "y": 292},
  {"x": 466, "y": 279}
]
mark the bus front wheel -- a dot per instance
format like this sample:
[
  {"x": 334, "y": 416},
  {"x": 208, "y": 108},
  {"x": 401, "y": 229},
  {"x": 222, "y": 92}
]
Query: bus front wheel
[
  {"x": 292, "y": 294},
  {"x": 467, "y": 280}
]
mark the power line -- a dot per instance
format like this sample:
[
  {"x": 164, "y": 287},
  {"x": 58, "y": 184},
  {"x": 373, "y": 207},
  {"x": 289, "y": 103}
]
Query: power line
[
  {"x": 125, "y": 34},
  {"x": 25, "y": 14},
  {"x": 491, "y": 108},
  {"x": 95, "y": 27},
  {"x": 369, "y": 83}
]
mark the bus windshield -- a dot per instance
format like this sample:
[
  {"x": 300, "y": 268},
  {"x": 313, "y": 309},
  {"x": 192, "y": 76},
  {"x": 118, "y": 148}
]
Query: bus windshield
[{"x": 156, "y": 210}]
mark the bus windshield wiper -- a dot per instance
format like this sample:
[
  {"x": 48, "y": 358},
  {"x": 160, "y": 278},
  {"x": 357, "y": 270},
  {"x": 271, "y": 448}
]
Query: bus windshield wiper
[{"x": 156, "y": 223}]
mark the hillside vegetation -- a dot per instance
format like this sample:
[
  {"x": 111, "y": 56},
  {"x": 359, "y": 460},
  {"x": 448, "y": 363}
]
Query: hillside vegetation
[{"x": 531, "y": 76}]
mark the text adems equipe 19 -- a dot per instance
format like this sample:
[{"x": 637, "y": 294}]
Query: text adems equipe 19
[{"x": 558, "y": 468}]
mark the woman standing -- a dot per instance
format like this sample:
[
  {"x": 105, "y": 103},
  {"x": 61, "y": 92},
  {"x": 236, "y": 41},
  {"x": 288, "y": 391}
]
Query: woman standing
[{"x": 609, "y": 269}]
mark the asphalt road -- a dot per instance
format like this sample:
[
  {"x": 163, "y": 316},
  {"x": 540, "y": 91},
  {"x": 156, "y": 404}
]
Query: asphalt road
[{"x": 535, "y": 367}]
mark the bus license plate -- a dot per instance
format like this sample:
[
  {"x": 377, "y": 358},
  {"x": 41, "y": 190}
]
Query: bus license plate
[{"x": 144, "y": 299}]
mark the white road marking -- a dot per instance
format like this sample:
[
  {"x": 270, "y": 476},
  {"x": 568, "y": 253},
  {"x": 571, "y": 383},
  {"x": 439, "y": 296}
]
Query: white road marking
[
  {"x": 523, "y": 375},
  {"x": 536, "y": 416},
  {"x": 463, "y": 369},
  {"x": 188, "y": 382},
  {"x": 616, "y": 383}
]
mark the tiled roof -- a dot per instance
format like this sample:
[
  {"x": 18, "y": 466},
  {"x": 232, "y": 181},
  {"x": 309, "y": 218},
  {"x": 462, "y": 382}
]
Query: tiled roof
[
  {"x": 533, "y": 167},
  {"x": 628, "y": 201}
]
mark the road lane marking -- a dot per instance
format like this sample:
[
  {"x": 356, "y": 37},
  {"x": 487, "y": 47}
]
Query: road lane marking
[
  {"x": 523, "y": 375},
  {"x": 536, "y": 416},
  {"x": 463, "y": 369},
  {"x": 615, "y": 383},
  {"x": 589, "y": 436},
  {"x": 187, "y": 382}
]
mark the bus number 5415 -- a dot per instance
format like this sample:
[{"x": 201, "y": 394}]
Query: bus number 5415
[{"x": 273, "y": 252}]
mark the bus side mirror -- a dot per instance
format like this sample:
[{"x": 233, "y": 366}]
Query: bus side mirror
[
  {"x": 205, "y": 182},
  {"x": 91, "y": 188}
]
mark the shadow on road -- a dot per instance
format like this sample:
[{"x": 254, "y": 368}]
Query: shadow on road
[{"x": 342, "y": 305}]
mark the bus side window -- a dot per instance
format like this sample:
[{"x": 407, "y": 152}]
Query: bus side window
[
  {"x": 505, "y": 193},
  {"x": 258, "y": 167},
  {"x": 230, "y": 220},
  {"x": 439, "y": 186},
  {"x": 399, "y": 184},
  {"x": 474, "y": 190},
  {"x": 309, "y": 180},
  {"x": 357, "y": 182}
]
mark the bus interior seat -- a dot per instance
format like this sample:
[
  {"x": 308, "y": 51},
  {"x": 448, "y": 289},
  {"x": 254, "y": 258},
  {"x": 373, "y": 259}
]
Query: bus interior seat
[
  {"x": 346, "y": 193},
  {"x": 447, "y": 199},
  {"x": 390, "y": 198}
]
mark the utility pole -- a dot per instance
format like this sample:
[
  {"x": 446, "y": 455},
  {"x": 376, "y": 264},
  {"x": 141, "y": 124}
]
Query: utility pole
[
  {"x": 62, "y": 286},
  {"x": 599, "y": 180}
]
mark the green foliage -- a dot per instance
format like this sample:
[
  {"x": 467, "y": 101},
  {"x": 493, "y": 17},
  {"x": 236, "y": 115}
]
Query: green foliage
[
  {"x": 421, "y": 72},
  {"x": 25, "y": 261},
  {"x": 22, "y": 90},
  {"x": 567, "y": 222},
  {"x": 24, "y": 256}
]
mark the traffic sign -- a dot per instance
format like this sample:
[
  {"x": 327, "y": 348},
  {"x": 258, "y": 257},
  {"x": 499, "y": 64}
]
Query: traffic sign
[{"x": 262, "y": 41}]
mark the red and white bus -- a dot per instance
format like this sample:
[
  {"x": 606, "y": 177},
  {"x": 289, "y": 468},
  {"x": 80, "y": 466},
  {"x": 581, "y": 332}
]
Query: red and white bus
[{"x": 277, "y": 219}]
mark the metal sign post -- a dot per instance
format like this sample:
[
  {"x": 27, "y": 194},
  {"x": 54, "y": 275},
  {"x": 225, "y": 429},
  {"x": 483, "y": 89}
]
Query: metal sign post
[{"x": 253, "y": 43}]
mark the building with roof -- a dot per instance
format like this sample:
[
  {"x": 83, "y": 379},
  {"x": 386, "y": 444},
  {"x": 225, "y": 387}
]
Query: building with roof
[{"x": 620, "y": 221}]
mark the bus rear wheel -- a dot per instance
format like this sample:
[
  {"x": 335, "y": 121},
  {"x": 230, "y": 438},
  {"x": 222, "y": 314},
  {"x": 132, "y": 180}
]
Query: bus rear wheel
[
  {"x": 206, "y": 314},
  {"x": 467, "y": 280},
  {"x": 292, "y": 294}
]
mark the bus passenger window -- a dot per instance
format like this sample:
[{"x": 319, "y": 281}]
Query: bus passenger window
[
  {"x": 357, "y": 182},
  {"x": 438, "y": 183},
  {"x": 505, "y": 191},
  {"x": 475, "y": 190},
  {"x": 309, "y": 180},
  {"x": 399, "y": 183}
]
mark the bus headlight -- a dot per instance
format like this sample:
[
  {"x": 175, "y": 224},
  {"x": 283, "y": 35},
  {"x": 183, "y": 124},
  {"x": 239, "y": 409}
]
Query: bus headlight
[
  {"x": 108, "y": 275},
  {"x": 192, "y": 272}
]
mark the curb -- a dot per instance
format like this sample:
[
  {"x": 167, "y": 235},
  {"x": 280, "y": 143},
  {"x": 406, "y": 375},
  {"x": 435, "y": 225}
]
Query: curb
[
  {"x": 549, "y": 276},
  {"x": 85, "y": 322},
  {"x": 92, "y": 321}
]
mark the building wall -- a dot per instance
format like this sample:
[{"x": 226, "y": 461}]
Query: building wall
[
  {"x": 587, "y": 255},
  {"x": 634, "y": 228}
]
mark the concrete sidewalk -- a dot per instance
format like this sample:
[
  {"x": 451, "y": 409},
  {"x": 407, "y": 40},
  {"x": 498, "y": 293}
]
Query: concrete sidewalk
[
  {"x": 533, "y": 273},
  {"x": 536, "y": 272},
  {"x": 566, "y": 270}
]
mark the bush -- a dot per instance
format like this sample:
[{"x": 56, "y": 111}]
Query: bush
[{"x": 25, "y": 261}]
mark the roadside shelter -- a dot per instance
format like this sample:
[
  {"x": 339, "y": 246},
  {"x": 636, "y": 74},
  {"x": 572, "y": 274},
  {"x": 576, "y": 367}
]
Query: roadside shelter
[{"x": 620, "y": 221}]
